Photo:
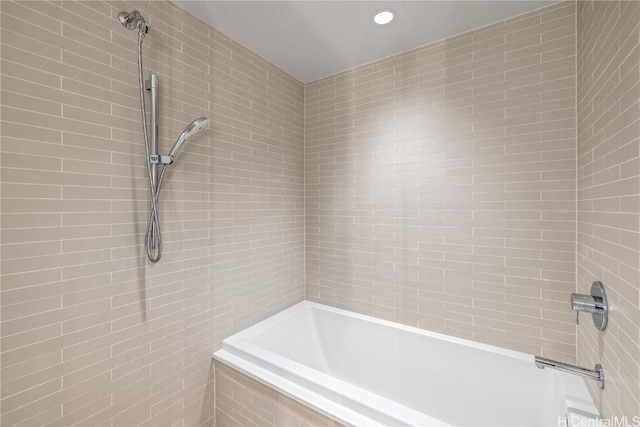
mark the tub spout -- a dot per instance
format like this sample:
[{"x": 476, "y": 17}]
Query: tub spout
[{"x": 596, "y": 374}]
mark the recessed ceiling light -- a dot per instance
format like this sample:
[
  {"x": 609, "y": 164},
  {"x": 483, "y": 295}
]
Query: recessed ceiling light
[{"x": 384, "y": 17}]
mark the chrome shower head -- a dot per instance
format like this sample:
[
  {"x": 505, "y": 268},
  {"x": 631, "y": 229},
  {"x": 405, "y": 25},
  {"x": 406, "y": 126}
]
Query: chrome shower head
[
  {"x": 133, "y": 20},
  {"x": 194, "y": 127}
]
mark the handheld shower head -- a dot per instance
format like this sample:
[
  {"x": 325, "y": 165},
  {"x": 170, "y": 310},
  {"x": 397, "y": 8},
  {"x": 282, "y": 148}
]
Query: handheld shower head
[
  {"x": 194, "y": 127},
  {"x": 133, "y": 20}
]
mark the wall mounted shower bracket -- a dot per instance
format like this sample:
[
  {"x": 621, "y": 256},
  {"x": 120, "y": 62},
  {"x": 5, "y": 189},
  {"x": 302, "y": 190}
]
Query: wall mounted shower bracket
[
  {"x": 151, "y": 82},
  {"x": 156, "y": 159}
]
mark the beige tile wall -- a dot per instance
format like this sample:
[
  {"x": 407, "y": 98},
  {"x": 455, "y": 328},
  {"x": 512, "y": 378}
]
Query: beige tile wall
[
  {"x": 242, "y": 401},
  {"x": 609, "y": 194},
  {"x": 93, "y": 334},
  {"x": 440, "y": 185},
  {"x": 440, "y": 193}
]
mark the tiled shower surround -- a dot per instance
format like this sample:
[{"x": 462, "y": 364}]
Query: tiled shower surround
[
  {"x": 92, "y": 333},
  {"x": 436, "y": 188},
  {"x": 440, "y": 185}
]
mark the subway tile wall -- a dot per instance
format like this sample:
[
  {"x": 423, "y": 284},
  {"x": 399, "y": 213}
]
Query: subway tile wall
[
  {"x": 440, "y": 185},
  {"x": 440, "y": 193},
  {"x": 609, "y": 194},
  {"x": 92, "y": 334}
]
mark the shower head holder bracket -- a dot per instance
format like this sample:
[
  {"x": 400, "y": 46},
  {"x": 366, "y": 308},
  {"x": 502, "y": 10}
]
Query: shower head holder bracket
[{"x": 156, "y": 159}]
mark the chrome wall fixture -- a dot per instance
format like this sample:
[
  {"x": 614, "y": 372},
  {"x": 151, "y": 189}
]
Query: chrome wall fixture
[
  {"x": 596, "y": 304},
  {"x": 156, "y": 164},
  {"x": 596, "y": 374}
]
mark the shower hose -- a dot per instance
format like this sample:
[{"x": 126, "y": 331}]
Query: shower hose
[{"x": 153, "y": 238}]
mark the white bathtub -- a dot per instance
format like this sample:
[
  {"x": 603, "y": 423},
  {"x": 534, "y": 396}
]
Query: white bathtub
[{"x": 363, "y": 371}]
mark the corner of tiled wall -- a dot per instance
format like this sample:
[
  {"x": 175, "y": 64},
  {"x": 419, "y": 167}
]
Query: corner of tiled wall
[{"x": 609, "y": 195}]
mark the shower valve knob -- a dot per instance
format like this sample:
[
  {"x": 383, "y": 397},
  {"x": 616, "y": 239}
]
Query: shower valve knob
[{"x": 595, "y": 303}]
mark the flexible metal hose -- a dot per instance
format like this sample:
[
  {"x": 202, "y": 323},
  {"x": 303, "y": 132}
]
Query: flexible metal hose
[{"x": 154, "y": 234}]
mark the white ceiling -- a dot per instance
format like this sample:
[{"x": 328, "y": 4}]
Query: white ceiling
[{"x": 314, "y": 39}]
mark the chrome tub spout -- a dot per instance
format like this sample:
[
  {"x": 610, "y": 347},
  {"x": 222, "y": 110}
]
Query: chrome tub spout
[{"x": 596, "y": 374}]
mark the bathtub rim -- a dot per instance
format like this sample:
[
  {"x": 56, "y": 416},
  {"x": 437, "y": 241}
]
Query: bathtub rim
[
  {"x": 314, "y": 401},
  {"x": 576, "y": 397},
  {"x": 321, "y": 391}
]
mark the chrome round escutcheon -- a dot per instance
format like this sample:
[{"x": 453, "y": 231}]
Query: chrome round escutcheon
[{"x": 601, "y": 317}]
